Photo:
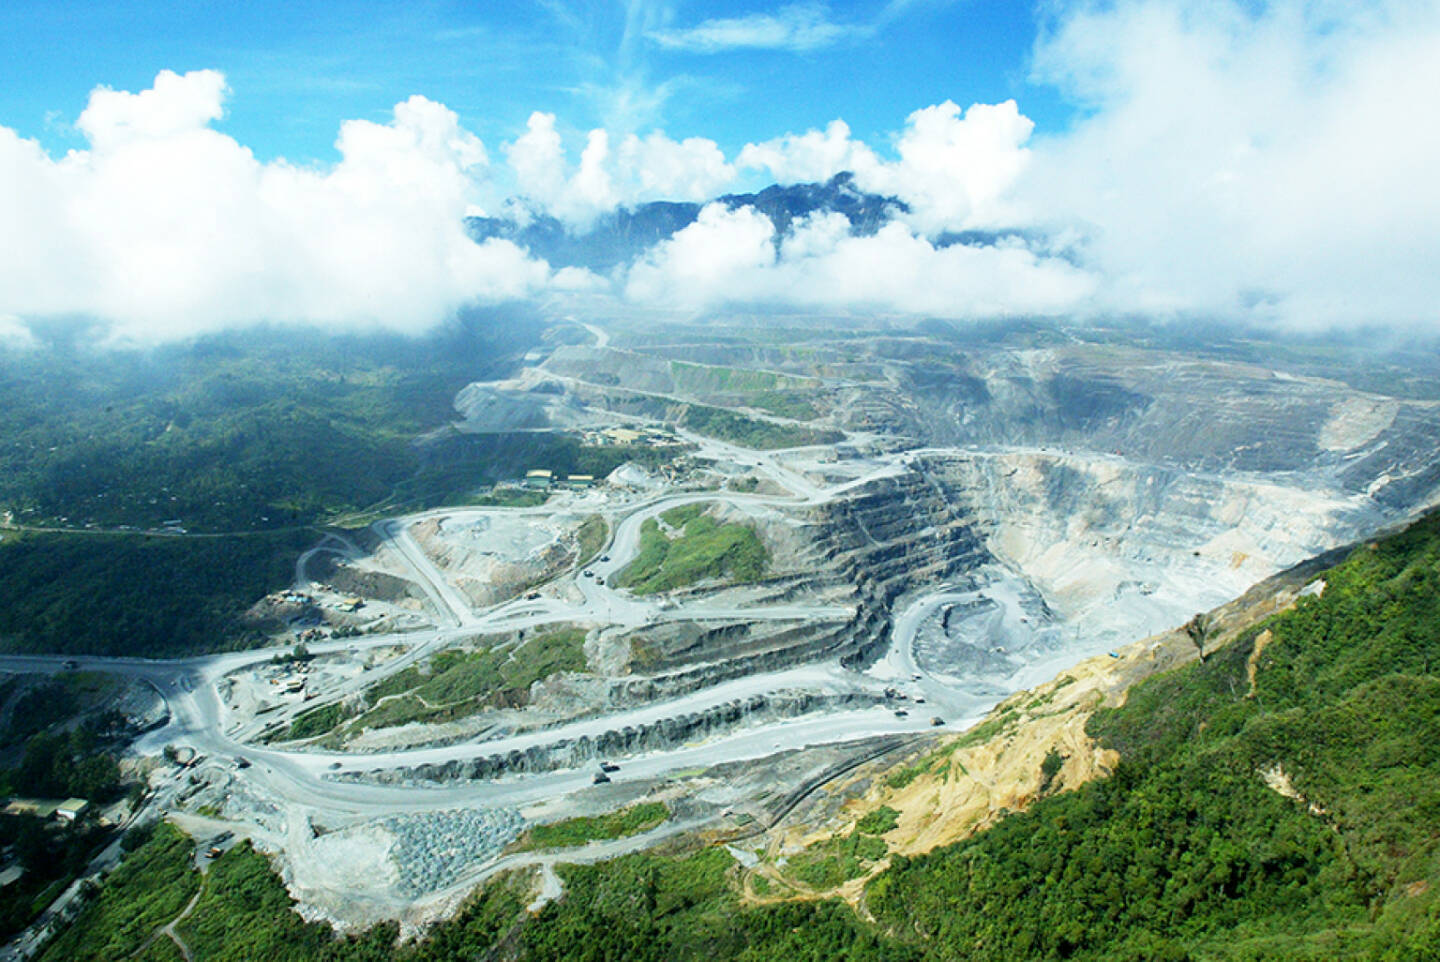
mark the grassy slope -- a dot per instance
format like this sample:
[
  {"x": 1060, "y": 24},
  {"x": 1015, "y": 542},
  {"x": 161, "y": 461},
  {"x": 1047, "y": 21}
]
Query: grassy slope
[
  {"x": 703, "y": 549},
  {"x": 148, "y": 890},
  {"x": 631, "y": 820},
  {"x": 592, "y": 536},
  {"x": 751, "y": 432},
  {"x": 458, "y": 684}
]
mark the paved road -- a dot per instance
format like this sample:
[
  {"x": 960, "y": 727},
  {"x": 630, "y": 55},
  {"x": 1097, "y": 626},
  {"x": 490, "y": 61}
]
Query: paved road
[{"x": 448, "y": 601}]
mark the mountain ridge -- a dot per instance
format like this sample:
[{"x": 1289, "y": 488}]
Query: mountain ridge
[{"x": 619, "y": 236}]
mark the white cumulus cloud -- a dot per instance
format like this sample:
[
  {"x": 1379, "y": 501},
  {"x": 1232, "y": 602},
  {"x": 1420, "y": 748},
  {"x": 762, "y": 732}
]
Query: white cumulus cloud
[
  {"x": 165, "y": 227},
  {"x": 659, "y": 168},
  {"x": 641, "y": 169},
  {"x": 729, "y": 257},
  {"x": 815, "y": 155},
  {"x": 1273, "y": 161},
  {"x": 707, "y": 262},
  {"x": 953, "y": 169},
  {"x": 1255, "y": 160}
]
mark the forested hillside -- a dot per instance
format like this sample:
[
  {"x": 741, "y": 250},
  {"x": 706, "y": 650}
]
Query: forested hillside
[
  {"x": 135, "y": 594},
  {"x": 1280, "y": 800},
  {"x": 233, "y": 432},
  {"x": 243, "y": 442}
]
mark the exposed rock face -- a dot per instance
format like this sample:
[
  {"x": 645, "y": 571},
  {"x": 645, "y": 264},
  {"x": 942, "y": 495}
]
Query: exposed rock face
[
  {"x": 961, "y": 784},
  {"x": 1069, "y": 495},
  {"x": 868, "y": 548},
  {"x": 1167, "y": 409},
  {"x": 1121, "y": 549},
  {"x": 351, "y": 580},
  {"x": 860, "y": 553},
  {"x": 492, "y": 561},
  {"x": 899, "y": 533},
  {"x": 529, "y": 401},
  {"x": 617, "y": 743}
]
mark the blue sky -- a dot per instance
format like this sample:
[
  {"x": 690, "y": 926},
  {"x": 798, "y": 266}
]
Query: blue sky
[
  {"x": 297, "y": 69},
  {"x": 175, "y": 167}
]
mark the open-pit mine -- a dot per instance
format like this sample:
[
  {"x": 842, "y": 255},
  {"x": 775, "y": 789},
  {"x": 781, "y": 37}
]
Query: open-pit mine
[{"x": 842, "y": 546}]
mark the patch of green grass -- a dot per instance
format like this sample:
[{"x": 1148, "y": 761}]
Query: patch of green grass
[
  {"x": 318, "y": 720},
  {"x": 591, "y": 537},
  {"x": 548, "y": 654},
  {"x": 714, "y": 379},
  {"x": 460, "y": 683},
  {"x": 397, "y": 684},
  {"x": 704, "y": 549},
  {"x": 462, "y": 675},
  {"x": 398, "y": 710},
  {"x": 934, "y": 763},
  {"x": 511, "y": 498},
  {"x": 837, "y": 860},
  {"x": 993, "y": 726},
  {"x": 882, "y": 820},
  {"x": 163, "y": 949},
  {"x": 678, "y": 517},
  {"x": 577, "y": 831},
  {"x": 797, "y": 405},
  {"x": 900, "y": 778},
  {"x": 752, "y": 432}
]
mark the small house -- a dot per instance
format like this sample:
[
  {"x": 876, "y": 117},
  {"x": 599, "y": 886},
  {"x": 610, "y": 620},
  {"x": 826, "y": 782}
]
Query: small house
[{"x": 71, "y": 809}]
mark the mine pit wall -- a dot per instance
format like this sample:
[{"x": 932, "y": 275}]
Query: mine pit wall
[
  {"x": 885, "y": 539},
  {"x": 780, "y": 589},
  {"x": 1086, "y": 529},
  {"x": 349, "y": 580},
  {"x": 621, "y": 742},
  {"x": 892, "y": 536},
  {"x": 798, "y": 645}
]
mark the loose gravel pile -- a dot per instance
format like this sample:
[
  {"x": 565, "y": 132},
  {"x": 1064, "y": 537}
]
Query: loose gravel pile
[{"x": 433, "y": 849}]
